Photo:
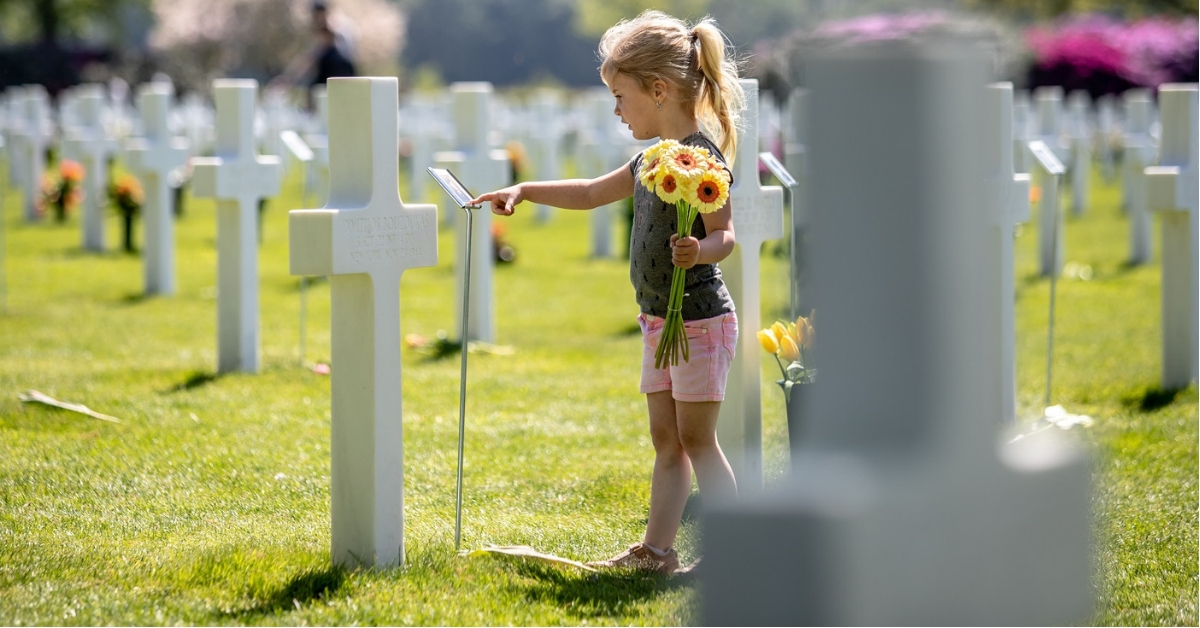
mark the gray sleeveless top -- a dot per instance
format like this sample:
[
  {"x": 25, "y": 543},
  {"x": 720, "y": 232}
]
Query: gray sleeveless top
[{"x": 650, "y": 267}]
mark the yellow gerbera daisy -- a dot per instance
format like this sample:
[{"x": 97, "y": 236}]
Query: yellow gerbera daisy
[
  {"x": 668, "y": 185},
  {"x": 711, "y": 191}
]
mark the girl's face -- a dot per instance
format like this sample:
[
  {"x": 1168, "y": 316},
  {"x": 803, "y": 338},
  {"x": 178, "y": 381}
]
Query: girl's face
[{"x": 636, "y": 107}]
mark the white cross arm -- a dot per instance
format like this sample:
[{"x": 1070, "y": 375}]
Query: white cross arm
[
  {"x": 1171, "y": 185},
  {"x": 338, "y": 242}
]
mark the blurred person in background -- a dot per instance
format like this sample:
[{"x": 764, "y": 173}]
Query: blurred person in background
[{"x": 330, "y": 55}]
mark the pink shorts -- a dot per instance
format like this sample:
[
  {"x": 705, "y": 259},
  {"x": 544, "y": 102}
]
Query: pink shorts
[{"x": 711, "y": 342}]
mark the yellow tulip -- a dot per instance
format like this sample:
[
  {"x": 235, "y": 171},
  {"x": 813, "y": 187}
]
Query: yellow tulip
[
  {"x": 768, "y": 342},
  {"x": 780, "y": 330},
  {"x": 788, "y": 349}
]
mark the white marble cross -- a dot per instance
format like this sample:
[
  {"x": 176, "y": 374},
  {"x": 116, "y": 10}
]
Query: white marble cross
[
  {"x": 1051, "y": 240},
  {"x": 88, "y": 144},
  {"x": 1022, "y": 130},
  {"x": 364, "y": 239},
  {"x": 795, "y": 160},
  {"x": 153, "y": 157},
  {"x": 596, "y": 154},
  {"x": 1171, "y": 188},
  {"x": 237, "y": 177},
  {"x": 481, "y": 169},
  {"x": 316, "y": 171},
  {"x": 757, "y": 218},
  {"x": 1106, "y": 123},
  {"x": 1079, "y": 132},
  {"x": 35, "y": 136},
  {"x": 1009, "y": 193},
  {"x": 902, "y": 508},
  {"x": 1139, "y": 152},
  {"x": 1048, "y": 120},
  {"x": 545, "y": 135}
]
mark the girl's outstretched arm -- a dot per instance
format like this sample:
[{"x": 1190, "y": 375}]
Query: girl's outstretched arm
[{"x": 566, "y": 193}]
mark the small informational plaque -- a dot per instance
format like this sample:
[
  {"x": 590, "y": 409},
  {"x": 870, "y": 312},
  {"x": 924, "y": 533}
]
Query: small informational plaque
[
  {"x": 772, "y": 163},
  {"x": 1046, "y": 157},
  {"x": 457, "y": 191}
]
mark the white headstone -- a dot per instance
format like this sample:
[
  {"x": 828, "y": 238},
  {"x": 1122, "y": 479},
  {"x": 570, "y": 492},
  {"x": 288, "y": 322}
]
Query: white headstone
[
  {"x": 1106, "y": 124},
  {"x": 794, "y": 155},
  {"x": 1009, "y": 193},
  {"x": 152, "y": 158},
  {"x": 1022, "y": 129},
  {"x": 1079, "y": 132},
  {"x": 364, "y": 239},
  {"x": 597, "y": 154},
  {"x": 545, "y": 136},
  {"x": 1139, "y": 152},
  {"x": 481, "y": 169},
  {"x": 34, "y": 138},
  {"x": 316, "y": 172},
  {"x": 88, "y": 144},
  {"x": 757, "y": 218},
  {"x": 1048, "y": 124},
  {"x": 902, "y": 509},
  {"x": 1171, "y": 190},
  {"x": 237, "y": 177}
]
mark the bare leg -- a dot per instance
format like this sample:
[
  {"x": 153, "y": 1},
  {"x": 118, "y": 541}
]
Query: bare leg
[
  {"x": 672, "y": 480},
  {"x": 697, "y": 428}
]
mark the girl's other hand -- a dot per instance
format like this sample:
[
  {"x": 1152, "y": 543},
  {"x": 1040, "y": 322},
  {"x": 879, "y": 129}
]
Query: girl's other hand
[
  {"x": 684, "y": 251},
  {"x": 502, "y": 200}
]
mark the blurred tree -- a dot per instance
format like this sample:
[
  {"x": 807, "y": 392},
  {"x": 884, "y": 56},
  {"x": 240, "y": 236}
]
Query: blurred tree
[
  {"x": 1031, "y": 10},
  {"x": 196, "y": 41},
  {"x": 593, "y": 17},
  {"x": 505, "y": 42},
  {"x": 65, "y": 35}
]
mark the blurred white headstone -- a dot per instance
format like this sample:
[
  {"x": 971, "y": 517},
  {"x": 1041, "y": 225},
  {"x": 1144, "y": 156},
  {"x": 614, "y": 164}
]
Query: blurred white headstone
[
  {"x": 35, "y": 136},
  {"x": 1009, "y": 192},
  {"x": 1171, "y": 191},
  {"x": 1079, "y": 133},
  {"x": 88, "y": 144},
  {"x": 1140, "y": 151},
  {"x": 481, "y": 169},
  {"x": 364, "y": 239},
  {"x": 152, "y": 158},
  {"x": 902, "y": 508}
]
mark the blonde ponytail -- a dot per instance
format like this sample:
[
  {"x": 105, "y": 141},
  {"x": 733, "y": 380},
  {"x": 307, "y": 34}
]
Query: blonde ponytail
[
  {"x": 720, "y": 101},
  {"x": 692, "y": 59}
]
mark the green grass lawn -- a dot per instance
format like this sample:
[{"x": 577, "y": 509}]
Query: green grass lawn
[{"x": 209, "y": 502}]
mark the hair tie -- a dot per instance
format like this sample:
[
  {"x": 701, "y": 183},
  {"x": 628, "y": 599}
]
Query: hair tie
[{"x": 694, "y": 36}]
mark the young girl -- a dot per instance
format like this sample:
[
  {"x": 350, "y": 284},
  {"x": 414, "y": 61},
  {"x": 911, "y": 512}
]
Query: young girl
[{"x": 669, "y": 80}]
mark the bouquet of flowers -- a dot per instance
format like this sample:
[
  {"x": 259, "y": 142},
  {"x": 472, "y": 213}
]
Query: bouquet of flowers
[
  {"x": 126, "y": 195},
  {"x": 62, "y": 192},
  {"x": 692, "y": 180},
  {"x": 791, "y": 342}
]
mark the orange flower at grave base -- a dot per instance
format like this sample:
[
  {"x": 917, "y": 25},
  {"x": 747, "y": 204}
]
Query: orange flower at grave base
[{"x": 1035, "y": 194}]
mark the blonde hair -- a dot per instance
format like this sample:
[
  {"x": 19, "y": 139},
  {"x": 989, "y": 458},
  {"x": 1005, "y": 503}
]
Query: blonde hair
[{"x": 691, "y": 59}]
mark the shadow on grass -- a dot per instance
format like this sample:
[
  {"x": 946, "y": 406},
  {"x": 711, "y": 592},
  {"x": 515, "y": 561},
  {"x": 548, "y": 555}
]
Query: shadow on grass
[
  {"x": 633, "y": 329},
  {"x": 605, "y": 594},
  {"x": 134, "y": 298},
  {"x": 195, "y": 380},
  {"x": 305, "y": 587},
  {"x": 1150, "y": 398}
]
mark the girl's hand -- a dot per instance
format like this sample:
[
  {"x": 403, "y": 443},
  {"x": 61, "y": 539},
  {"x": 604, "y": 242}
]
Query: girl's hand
[
  {"x": 502, "y": 200},
  {"x": 685, "y": 252}
]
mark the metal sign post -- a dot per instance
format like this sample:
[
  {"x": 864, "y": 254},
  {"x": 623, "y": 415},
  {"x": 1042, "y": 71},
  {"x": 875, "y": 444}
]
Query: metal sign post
[
  {"x": 1053, "y": 168},
  {"x": 462, "y": 382}
]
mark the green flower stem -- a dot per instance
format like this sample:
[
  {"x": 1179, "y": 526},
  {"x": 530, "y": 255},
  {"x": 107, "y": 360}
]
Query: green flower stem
[{"x": 674, "y": 341}]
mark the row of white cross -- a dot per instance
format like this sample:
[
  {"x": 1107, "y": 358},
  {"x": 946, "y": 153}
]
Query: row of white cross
[{"x": 365, "y": 237}]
